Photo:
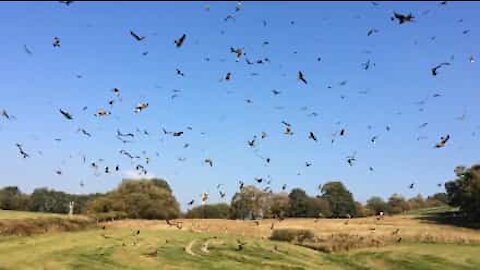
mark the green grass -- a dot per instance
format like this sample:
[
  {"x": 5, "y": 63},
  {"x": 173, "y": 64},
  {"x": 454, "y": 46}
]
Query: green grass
[
  {"x": 432, "y": 210},
  {"x": 165, "y": 249},
  {"x": 8, "y": 214}
]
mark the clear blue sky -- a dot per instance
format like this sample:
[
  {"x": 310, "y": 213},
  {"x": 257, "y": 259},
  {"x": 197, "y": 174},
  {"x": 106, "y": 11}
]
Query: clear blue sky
[{"x": 95, "y": 43}]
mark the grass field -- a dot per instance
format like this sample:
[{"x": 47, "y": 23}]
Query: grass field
[{"x": 212, "y": 244}]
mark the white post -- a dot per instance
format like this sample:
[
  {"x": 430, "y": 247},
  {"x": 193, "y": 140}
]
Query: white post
[{"x": 70, "y": 206}]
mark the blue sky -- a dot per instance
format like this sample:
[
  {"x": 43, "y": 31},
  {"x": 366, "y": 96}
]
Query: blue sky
[{"x": 96, "y": 44}]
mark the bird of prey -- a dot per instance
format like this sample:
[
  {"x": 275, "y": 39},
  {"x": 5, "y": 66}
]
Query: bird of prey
[
  {"x": 116, "y": 91},
  {"x": 228, "y": 76},
  {"x": 84, "y": 132},
  {"x": 191, "y": 202},
  {"x": 209, "y": 162},
  {"x": 238, "y": 52},
  {"x": 259, "y": 179},
  {"x": 101, "y": 113},
  {"x": 264, "y": 135},
  {"x": 284, "y": 186},
  {"x": 301, "y": 77},
  {"x": 22, "y": 152},
  {"x": 411, "y": 186},
  {"x": 67, "y": 3},
  {"x": 443, "y": 141},
  {"x": 222, "y": 194},
  {"x": 350, "y": 160},
  {"x": 435, "y": 68},
  {"x": 276, "y": 92},
  {"x": 180, "y": 73},
  {"x": 312, "y": 136},
  {"x": 179, "y": 42},
  {"x": 402, "y": 18},
  {"x": 308, "y": 164},
  {"x": 56, "y": 42},
  {"x": 66, "y": 114},
  {"x": 136, "y": 37},
  {"x": 120, "y": 134},
  {"x": 372, "y": 31},
  {"x": 342, "y": 132},
  {"x": 288, "y": 131},
  {"x": 27, "y": 50},
  {"x": 140, "y": 107},
  {"x": 6, "y": 115}
]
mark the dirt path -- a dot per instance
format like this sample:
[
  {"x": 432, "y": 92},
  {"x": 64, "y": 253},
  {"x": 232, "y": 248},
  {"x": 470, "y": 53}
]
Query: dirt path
[{"x": 188, "y": 248}]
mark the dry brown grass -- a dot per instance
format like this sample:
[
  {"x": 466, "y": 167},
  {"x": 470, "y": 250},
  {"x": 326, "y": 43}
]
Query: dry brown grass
[
  {"x": 29, "y": 226},
  {"x": 332, "y": 234}
]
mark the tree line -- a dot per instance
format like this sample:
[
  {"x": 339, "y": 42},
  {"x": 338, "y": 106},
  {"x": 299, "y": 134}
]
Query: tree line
[{"x": 154, "y": 199}]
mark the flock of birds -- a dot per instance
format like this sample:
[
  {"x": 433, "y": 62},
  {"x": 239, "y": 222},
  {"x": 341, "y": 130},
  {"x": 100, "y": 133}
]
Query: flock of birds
[{"x": 141, "y": 162}]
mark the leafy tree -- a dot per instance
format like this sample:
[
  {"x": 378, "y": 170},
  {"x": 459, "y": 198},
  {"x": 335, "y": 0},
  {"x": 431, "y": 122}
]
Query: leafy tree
[
  {"x": 249, "y": 203},
  {"x": 279, "y": 204},
  {"x": 11, "y": 198},
  {"x": 377, "y": 205},
  {"x": 437, "y": 199},
  {"x": 360, "y": 210},
  {"x": 318, "y": 207},
  {"x": 299, "y": 203},
  {"x": 148, "y": 199},
  {"x": 220, "y": 210},
  {"x": 464, "y": 192},
  {"x": 417, "y": 202},
  {"x": 397, "y": 204},
  {"x": 339, "y": 198}
]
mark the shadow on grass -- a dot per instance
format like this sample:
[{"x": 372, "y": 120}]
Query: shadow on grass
[{"x": 452, "y": 217}]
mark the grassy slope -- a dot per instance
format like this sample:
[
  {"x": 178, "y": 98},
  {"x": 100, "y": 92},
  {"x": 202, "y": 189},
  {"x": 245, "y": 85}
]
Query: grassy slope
[
  {"x": 7, "y": 214},
  {"x": 160, "y": 247},
  {"x": 90, "y": 250}
]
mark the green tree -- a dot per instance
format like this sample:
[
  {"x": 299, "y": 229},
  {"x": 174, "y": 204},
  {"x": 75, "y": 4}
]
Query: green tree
[
  {"x": 219, "y": 211},
  {"x": 249, "y": 203},
  {"x": 279, "y": 204},
  {"x": 299, "y": 203},
  {"x": 397, "y": 204},
  {"x": 318, "y": 207},
  {"x": 11, "y": 198},
  {"x": 377, "y": 205},
  {"x": 464, "y": 192},
  {"x": 339, "y": 198},
  {"x": 437, "y": 199},
  {"x": 417, "y": 202},
  {"x": 145, "y": 199}
]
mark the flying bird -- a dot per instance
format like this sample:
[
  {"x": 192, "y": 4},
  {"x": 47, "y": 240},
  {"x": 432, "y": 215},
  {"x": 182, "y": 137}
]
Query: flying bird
[
  {"x": 179, "y": 42},
  {"x": 67, "y": 3},
  {"x": 136, "y": 37},
  {"x": 443, "y": 141},
  {"x": 56, "y": 42},
  {"x": 312, "y": 136},
  {"x": 140, "y": 107},
  {"x": 22, "y": 152},
  {"x": 66, "y": 114},
  {"x": 402, "y": 18},
  {"x": 209, "y": 162},
  {"x": 435, "y": 68},
  {"x": 372, "y": 31},
  {"x": 301, "y": 77},
  {"x": 101, "y": 113},
  {"x": 84, "y": 132},
  {"x": 27, "y": 50}
]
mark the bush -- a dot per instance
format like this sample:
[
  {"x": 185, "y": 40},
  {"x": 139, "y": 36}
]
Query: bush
[
  {"x": 109, "y": 216},
  {"x": 292, "y": 235},
  {"x": 145, "y": 199},
  {"x": 220, "y": 210},
  {"x": 29, "y": 226}
]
